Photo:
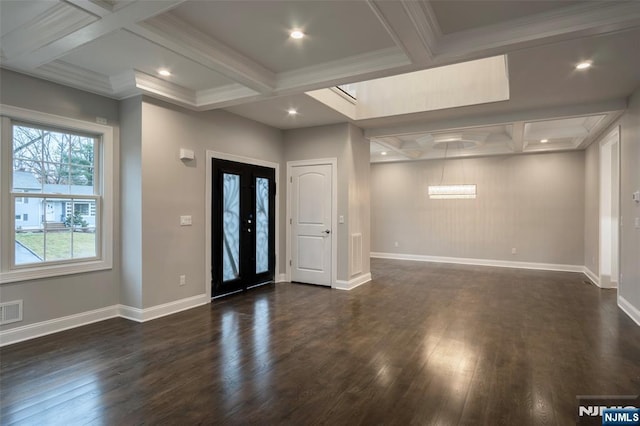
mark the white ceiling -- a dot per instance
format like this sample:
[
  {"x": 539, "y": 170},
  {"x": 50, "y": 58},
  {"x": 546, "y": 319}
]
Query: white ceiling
[{"x": 237, "y": 54}]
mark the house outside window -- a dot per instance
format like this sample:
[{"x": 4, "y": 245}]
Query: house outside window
[{"x": 57, "y": 207}]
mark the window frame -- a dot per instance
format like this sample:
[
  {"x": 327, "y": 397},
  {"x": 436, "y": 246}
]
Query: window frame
[{"x": 103, "y": 193}]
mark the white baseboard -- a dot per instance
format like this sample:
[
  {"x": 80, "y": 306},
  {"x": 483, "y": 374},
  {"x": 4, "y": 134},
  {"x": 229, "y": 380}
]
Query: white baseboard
[
  {"x": 143, "y": 315},
  {"x": 592, "y": 276},
  {"x": 353, "y": 283},
  {"x": 281, "y": 278},
  {"x": 629, "y": 309},
  {"x": 31, "y": 331},
  {"x": 480, "y": 262}
]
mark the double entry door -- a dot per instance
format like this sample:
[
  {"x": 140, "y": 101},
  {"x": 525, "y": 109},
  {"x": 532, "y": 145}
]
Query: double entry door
[{"x": 243, "y": 240}]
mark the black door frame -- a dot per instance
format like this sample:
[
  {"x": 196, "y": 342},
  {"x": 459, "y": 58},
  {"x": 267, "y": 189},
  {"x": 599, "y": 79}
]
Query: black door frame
[{"x": 247, "y": 262}]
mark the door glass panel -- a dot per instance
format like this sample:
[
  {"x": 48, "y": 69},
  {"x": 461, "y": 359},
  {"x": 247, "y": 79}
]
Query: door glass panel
[
  {"x": 262, "y": 225},
  {"x": 231, "y": 227}
]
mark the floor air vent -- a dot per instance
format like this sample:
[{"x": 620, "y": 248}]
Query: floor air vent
[{"x": 10, "y": 312}]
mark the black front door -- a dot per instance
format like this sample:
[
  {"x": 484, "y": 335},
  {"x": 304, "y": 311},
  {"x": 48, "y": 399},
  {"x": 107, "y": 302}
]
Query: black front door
[{"x": 243, "y": 226}]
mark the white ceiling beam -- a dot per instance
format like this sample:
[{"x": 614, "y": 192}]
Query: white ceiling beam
[
  {"x": 411, "y": 26},
  {"x": 376, "y": 64},
  {"x": 176, "y": 35},
  {"x": 469, "y": 122},
  {"x": 56, "y": 22},
  {"x": 557, "y": 25},
  {"x": 516, "y": 133},
  {"x": 56, "y": 47},
  {"x": 96, "y": 8}
]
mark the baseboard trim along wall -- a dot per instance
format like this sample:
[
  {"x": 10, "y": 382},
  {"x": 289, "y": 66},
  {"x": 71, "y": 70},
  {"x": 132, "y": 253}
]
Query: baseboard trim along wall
[
  {"x": 281, "y": 278},
  {"x": 629, "y": 309},
  {"x": 353, "y": 283},
  {"x": 142, "y": 315},
  {"x": 481, "y": 262},
  {"x": 31, "y": 331},
  {"x": 592, "y": 276}
]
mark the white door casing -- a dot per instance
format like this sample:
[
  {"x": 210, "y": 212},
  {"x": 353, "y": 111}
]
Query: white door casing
[{"x": 311, "y": 208}]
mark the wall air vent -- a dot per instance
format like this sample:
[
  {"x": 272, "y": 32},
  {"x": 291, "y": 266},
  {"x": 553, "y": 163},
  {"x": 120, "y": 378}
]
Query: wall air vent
[{"x": 10, "y": 312}]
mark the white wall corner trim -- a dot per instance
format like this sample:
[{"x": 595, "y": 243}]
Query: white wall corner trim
[
  {"x": 592, "y": 276},
  {"x": 281, "y": 278},
  {"x": 31, "y": 331},
  {"x": 148, "y": 314},
  {"x": 480, "y": 262},
  {"x": 629, "y": 309},
  {"x": 353, "y": 283}
]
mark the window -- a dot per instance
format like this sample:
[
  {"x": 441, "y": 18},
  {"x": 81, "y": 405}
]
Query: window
[{"x": 58, "y": 197}]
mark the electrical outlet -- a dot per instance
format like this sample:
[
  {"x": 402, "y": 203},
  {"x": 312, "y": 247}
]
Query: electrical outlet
[
  {"x": 183, "y": 280},
  {"x": 514, "y": 251}
]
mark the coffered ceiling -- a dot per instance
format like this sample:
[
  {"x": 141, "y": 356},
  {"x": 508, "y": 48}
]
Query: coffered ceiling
[{"x": 239, "y": 55}]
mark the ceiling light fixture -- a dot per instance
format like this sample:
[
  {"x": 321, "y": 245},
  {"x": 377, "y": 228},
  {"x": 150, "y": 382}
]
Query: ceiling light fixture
[
  {"x": 383, "y": 153},
  {"x": 544, "y": 140},
  {"x": 292, "y": 111},
  {"x": 164, "y": 73},
  {"x": 583, "y": 65},
  {"x": 297, "y": 34}
]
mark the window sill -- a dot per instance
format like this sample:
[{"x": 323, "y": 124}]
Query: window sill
[{"x": 53, "y": 271}]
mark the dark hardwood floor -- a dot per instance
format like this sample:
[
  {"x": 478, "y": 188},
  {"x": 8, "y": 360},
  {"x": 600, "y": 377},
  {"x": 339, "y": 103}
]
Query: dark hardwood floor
[{"x": 421, "y": 344}]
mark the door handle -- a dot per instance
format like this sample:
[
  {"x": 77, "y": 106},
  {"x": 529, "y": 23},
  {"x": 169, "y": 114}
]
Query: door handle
[{"x": 327, "y": 231}]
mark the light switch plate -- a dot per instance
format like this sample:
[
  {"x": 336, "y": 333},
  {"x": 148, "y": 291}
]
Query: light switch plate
[{"x": 185, "y": 220}]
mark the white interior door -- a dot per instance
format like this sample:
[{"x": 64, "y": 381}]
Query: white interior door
[{"x": 311, "y": 221}]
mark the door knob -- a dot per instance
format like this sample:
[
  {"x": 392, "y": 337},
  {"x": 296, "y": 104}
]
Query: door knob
[{"x": 327, "y": 231}]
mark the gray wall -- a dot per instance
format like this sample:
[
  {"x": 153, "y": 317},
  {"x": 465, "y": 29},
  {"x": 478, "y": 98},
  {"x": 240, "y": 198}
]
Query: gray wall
[
  {"x": 359, "y": 194},
  {"x": 534, "y": 203},
  {"x": 629, "y": 287},
  {"x": 592, "y": 208},
  {"x": 171, "y": 188},
  {"x": 46, "y": 299},
  {"x": 131, "y": 193}
]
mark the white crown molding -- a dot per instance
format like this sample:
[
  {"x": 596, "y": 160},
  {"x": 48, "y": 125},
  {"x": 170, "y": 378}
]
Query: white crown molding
[
  {"x": 355, "y": 68},
  {"x": 75, "y": 76},
  {"x": 352, "y": 283},
  {"x": 517, "y": 143},
  {"x": 560, "y": 24},
  {"x": 629, "y": 309},
  {"x": 55, "y": 23},
  {"x": 162, "y": 89},
  {"x": 176, "y": 35},
  {"x": 225, "y": 96}
]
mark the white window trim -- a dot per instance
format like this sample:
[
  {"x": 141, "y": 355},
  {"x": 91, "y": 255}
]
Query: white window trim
[{"x": 105, "y": 182}]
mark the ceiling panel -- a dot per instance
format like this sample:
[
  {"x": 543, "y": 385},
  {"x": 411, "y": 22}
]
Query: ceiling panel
[
  {"x": 121, "y": 51},
  {"x": 273, "y": 112},
  {"x": 454, "y": 16},
  {"x": 260, "y": 29},
  {"x": 15, "y": 13}
]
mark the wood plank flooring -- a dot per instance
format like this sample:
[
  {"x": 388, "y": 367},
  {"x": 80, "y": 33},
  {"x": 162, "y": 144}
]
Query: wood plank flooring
[{"x": 421, "y": 344}]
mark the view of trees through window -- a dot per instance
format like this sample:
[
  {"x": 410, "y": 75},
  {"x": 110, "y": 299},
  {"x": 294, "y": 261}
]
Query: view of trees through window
[{"x": 55, "y": 212}]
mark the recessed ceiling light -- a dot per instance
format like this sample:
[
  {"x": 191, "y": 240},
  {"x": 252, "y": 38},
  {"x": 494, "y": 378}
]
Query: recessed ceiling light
[
  {"x": 583, "y": 65},
  {"x": 383, "y": 153},
  {"x": 544, "y": 140},
  {"x": 292, "y": 111},
  {"x": 297, "y": 34},
  {"x": 164, "y": 73}
]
